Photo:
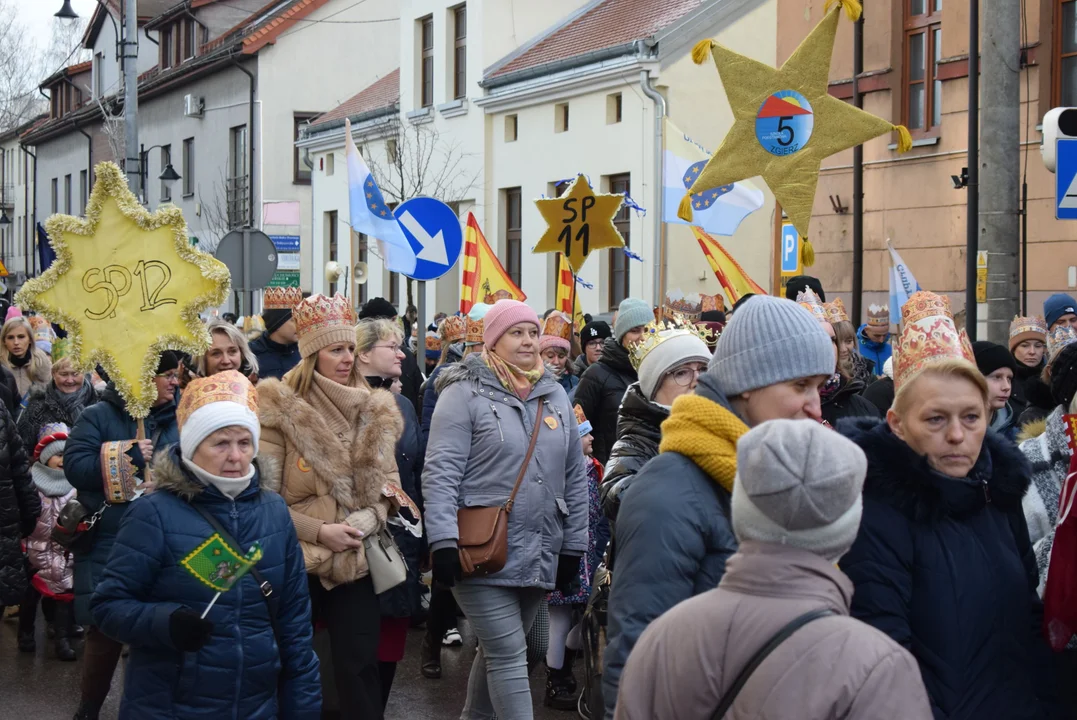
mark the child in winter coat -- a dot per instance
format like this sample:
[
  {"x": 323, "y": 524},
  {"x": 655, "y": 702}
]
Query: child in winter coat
[
  {"x": 565, "y": 637},
  {"x": 53, "y": 565}
]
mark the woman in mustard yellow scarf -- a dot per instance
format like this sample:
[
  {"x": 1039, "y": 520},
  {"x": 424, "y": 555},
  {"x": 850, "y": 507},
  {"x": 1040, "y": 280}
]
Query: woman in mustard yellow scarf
[
  {"x": 673, "y": 532},
  {"x": 490, "y": 405}
]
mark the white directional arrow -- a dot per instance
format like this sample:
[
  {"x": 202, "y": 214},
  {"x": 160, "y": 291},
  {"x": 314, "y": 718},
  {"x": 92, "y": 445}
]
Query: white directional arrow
[{"x": 433, "y": 247}]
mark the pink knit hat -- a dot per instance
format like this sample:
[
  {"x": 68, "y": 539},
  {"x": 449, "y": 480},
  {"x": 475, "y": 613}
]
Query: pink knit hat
[
  {"x": 503, "y": 315},
  {"x": 13, "y": 311}
]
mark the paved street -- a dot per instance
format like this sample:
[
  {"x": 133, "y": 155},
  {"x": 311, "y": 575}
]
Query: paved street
[{"x": 39, "y": 687}]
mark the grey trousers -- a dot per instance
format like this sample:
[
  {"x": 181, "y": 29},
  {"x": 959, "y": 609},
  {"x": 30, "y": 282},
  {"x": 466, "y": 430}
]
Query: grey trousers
[{"x": 501, "y": 618}]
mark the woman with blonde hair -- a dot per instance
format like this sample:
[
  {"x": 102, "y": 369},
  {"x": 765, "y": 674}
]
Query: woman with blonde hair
[
  {"x": 943, "y": 562},
  {"x": 62, "y": 400},
  {"x": 228, "y": 351},
  {"x": 334, "y": 442},
  {"x": 26, "y": 361}
]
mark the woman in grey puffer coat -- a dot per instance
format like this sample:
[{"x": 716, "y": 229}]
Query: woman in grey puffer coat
[{"x": 487, "y": 409}]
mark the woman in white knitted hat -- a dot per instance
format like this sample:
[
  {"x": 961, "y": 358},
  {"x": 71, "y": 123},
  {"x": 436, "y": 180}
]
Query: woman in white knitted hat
[
  {"x": 185, "y": 587},
  {"x": 334, "y": 440},
  {"x": 673, "y": 533}
]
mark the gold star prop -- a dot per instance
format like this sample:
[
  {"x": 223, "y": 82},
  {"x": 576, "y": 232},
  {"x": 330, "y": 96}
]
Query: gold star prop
[
  {"x": 126, "y": 285},
  {"x": 785, "y": 122},
  {"x": 579, "y": 222}
]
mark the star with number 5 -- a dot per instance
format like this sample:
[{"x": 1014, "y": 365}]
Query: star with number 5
[
  {"x": 785, "y": 121},
  {"x": 126, "y": 285},
  {"x": 579, "y": 222}
]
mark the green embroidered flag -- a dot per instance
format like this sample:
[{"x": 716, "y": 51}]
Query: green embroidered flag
[{"x": 217, "y": 565}]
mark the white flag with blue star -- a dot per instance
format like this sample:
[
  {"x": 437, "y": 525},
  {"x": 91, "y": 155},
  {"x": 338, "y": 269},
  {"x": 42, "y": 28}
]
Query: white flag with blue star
[
  {"x": 371, "y": 216},
  {"x": 902, "y": 284}
]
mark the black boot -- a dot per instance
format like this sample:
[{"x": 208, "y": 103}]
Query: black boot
[
  {"x": 64, "y": 622},
  {"x": 430, "y": 657},
  {"x": 561, "y": 685},
  {"x": 27, "y": 614},
  {"x": 87, "y": 711}
]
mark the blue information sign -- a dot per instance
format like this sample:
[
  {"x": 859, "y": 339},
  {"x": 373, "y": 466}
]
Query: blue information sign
[
  {"x": 433, "y": 230},
  {"x": 1066, "y": 180}
]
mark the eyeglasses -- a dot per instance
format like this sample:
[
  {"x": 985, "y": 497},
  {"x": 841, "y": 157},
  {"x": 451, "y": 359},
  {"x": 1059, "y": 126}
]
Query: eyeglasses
[
  {"x": 394, "y": 348},
  {"x": 685, "y": 375},
  {"x": 170, "y": 376}
]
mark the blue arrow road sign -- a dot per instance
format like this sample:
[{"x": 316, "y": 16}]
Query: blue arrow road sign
[
  {"x": 433, "y": 230},
  {"x": 790, "y": 250},
  {"x": 1066, "y": 180}
]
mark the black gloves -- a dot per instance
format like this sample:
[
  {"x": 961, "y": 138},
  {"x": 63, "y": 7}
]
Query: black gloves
[
  {"x": 189, "y": 632},
  {"x": 446, "y": 566},
  {"x": 568, "y": 574}
]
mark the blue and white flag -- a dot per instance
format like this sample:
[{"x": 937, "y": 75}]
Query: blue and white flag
[
  {"x": 902, "y": 284},
  {"x": 371, "y": 216},
  {"x": 718, "y": 210}
]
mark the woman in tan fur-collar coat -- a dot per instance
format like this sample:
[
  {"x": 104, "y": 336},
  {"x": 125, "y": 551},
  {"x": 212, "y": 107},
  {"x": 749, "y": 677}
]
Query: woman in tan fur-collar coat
[{"x": 335, "y": 440}]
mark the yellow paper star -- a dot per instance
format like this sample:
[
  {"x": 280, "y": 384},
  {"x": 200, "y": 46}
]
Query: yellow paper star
[
  {"x": 579, "y": 222},
  {"x": 126, "y": 285},
  {"x": 785, "y": 121}
]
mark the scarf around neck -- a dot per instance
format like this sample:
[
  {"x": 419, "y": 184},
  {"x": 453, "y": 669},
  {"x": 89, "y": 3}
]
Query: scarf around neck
[
  {"x": 74, "y": 403},
  {"x": 229, "y": 487},
  {"x": 707, "y": 434},
  {"x": 51, "y": 482},
  {"x": 23, "y": 361},
  {"x": 512, "y": 378}
]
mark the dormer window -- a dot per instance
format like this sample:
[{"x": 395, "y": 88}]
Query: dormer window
[
  {"x": 166, "y": 48},
  {"x": 179, "y": 42}
]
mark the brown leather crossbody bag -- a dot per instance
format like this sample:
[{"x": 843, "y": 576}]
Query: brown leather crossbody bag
[{"x": 484, "y": 531}]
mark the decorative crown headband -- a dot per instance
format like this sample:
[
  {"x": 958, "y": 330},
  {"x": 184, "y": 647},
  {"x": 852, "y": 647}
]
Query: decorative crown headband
[
  {"x": 808, "y": 300},
  {"x": 835, "y": 311},
  {"x": 1032, "y": 324},
  {"x": 659, "y": 331},
  {"x": 1059, "y": 338},
  {"x": 928, "y": 336},
  {"x": 318, "y": 312},
  {"x": 474, "y": 332},
  {"x": 281, "y": 298},
  {"x": 453, "y": 329},
  {"x": 558, "y": 325},
  {"x": 879, "y": 315},
  {"x": 227, "y": 386}
]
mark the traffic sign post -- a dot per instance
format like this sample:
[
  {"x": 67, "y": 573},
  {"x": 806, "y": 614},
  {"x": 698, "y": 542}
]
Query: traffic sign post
[
  {"x": 251, "y": 257},
  {"x": 790, "y": 249},
  {"x": 433, "y": 230},
  {"x": 1066, "y": 179}
]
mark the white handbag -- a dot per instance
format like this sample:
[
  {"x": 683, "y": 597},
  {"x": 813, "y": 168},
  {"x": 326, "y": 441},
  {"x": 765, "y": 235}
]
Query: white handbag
[{"x": 387, "y": 566}]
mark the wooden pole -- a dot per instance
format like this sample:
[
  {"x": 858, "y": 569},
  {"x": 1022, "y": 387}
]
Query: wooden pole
[{"x": 140, "y": 435}]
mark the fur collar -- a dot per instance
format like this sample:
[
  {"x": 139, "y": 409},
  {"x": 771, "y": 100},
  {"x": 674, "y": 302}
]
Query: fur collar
[
  {"x": 473, "y": 369},
  {"x": 355, "y": 474},
  {"x": 903, "y": 479},
  {"x": 1049, "y": 447},
  {"x": 1032, "y": 430},
  {"x": 169, "y": 475}
]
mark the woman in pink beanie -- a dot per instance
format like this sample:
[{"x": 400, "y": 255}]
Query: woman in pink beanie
[{"x": 501, "y": 422}]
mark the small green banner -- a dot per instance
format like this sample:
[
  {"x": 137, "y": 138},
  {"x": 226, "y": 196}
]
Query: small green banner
[
  {"x": 284, "y": 278},
  {"x": 217, "y": 565}
]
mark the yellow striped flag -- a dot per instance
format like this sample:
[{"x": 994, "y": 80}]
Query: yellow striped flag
[
  {"x": 565, "y": 282},
  {"x": 730, "y": 274},
  {"x": 484, "y": 280}
]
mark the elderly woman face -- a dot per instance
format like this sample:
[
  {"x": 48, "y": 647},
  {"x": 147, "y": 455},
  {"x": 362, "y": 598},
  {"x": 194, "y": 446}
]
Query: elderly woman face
[
  {"x": 226, "y": 453},
  {"x": 222, "y": 355},
  {"x": 67, "y": 378},
  {"x": 944, "y": 418},
  {"x": 556, "y": 357},
  {"x": 519, "y": 346}
]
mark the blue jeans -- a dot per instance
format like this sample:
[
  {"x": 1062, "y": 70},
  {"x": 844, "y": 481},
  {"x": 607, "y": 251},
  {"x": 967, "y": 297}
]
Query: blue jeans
[{"x": 501, "y": 618}]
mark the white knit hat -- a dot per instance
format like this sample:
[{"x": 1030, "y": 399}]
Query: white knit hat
[{"x": 209, "y": 404}]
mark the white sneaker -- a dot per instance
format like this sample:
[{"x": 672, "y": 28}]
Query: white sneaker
[{"x": 452, "y": 638}]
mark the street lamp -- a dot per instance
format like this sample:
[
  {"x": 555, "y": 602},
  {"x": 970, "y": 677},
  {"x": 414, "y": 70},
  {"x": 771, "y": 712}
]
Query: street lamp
[
  {"x": 67, "y": 12},
  {"x": 169, "y": 174},
  {"x": 4, "y": 219}
]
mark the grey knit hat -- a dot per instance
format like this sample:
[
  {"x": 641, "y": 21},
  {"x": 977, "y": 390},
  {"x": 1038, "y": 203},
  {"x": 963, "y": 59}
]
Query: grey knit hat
[
  {"x": 768, "y": 341},
  {"x": 798, "y": 483},
  {"x": 631, "y": 313}
]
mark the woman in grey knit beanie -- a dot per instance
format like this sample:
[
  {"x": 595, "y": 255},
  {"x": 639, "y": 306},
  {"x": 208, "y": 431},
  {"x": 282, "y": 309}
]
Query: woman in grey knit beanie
[{"x": 673, "y": 532}]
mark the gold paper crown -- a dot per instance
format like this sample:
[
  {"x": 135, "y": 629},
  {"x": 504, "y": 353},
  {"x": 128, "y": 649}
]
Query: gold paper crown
[
  {"x": 712, "y": 302},
  {"x": 835, "y": 311},
  {"x": 659, "y": 331},
  {"x": 1028, "y": 325},
  {"x": 682, "y": 307},
  {"x": 558, "y": 325},
  {"x": 227, "y": 386},
  {"x": 318, "y": 312},
  {"x": 474, "y": 332},
  {"x": 281, "y": 298},
  {"x": 580, "y": 417},
  {"x": 879, "y": 315},
  {"x": 808, "y": 300},
  {"x": 1059, "y": 338},
  {"x": 433, "y": 342},
  {"x": 453, "y": 329},
  {"x": 493, "y": 297},
  {"x": 928, "y": 336}
]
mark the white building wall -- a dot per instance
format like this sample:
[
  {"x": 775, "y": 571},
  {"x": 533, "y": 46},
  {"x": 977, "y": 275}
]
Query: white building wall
[
  {"x": 18, "y": 199},
  {"x": 109, "y": 65},
  {"x": 56, "y": 159}
]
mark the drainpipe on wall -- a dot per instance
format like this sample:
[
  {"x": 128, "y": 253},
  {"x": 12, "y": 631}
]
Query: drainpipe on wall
[
  {"x": 659, "y": 227},
  {"x": 33, "y": 215},
  {"x": 250, "y": 144}
]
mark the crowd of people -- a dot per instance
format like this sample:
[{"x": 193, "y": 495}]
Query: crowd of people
[{"x": 765, "y": 511}]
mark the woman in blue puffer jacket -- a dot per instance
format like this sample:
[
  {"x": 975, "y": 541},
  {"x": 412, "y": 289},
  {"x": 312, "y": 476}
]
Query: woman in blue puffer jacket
[{"x": 250, "y": 657}]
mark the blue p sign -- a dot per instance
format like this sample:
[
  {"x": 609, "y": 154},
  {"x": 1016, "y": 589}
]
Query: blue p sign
[{"x": 790, "y": 250}]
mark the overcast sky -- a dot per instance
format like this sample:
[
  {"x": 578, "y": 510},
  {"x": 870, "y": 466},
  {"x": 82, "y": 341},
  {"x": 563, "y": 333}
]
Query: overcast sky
[{"x": 37, "y": 16}]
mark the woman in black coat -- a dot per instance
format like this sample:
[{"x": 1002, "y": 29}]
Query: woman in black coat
[
  {"x": 19, "y": 508},
  {"x": 67, "y": 394},
  {"x": 380, "y": 361},
  {"x": 602, "y": 388},
  {"x": 943, "y": 562}
]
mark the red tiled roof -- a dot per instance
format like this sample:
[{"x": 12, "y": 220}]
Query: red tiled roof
[
  {"x": 384, "y": 93},
  {"x": 612, "y": 23},
  {"x": 257, "y": 37}
]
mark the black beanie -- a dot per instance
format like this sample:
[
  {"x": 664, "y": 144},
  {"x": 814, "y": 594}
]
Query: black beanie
[
  {"x": 1064, "y": 377},
  {"x": 990, "y": 357},
  {"x": 712, "y": 316},
  {"x": 275, "y": 318},
  {"x": 377, "y": 308},
  {"x": 595, "y": 330},
  {"x": 740, "y": 301},
  {"x": 170, "y": 360},
  {"x": 797, "y": 283}
]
